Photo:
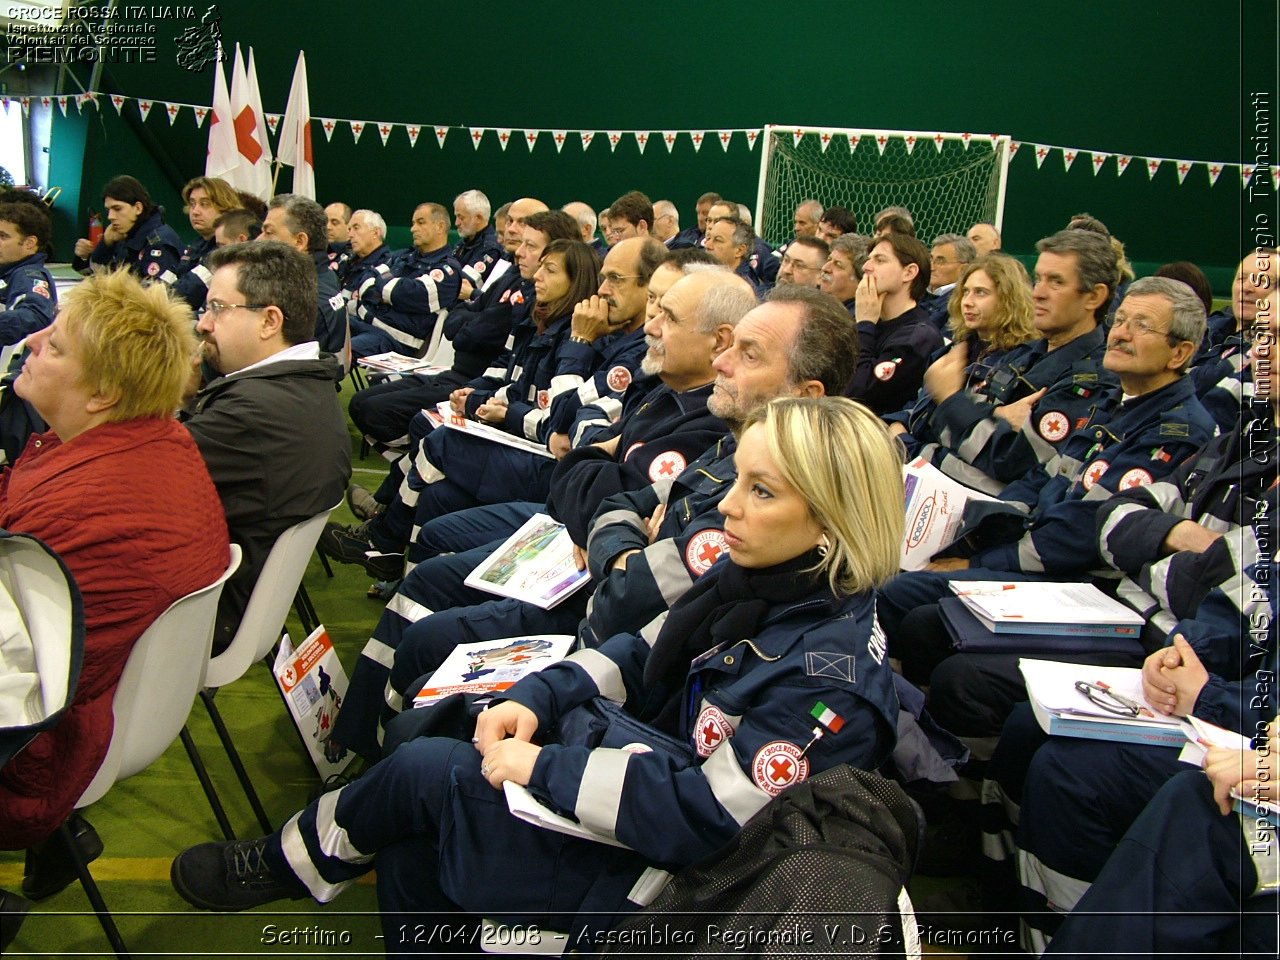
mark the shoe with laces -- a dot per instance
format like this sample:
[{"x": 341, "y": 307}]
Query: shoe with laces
[
  {"x": 351, "y": 544},
  {"x": 230, "y": 876},
  {"x": 362, "y": 503}
]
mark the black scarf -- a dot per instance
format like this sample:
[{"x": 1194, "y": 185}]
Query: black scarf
[{"x": 726, "y": 604}]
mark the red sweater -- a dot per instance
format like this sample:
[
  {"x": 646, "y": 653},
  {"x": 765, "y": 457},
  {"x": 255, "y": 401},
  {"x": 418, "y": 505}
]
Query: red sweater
[{"x": 132, "y": 512}]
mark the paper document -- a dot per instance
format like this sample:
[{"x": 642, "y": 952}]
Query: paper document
[
  {"x": 535, "y": 565},
  {"x": 1037, "y": 606},
  {"x": 527, "y": 807},
  {"x": 935, "y": 509},
  {"x": 392, "y": 362},
  {"x": 487, "y": 431},
  {"x": 313, "y": 684},
  {"x": 489, "y": 666}
]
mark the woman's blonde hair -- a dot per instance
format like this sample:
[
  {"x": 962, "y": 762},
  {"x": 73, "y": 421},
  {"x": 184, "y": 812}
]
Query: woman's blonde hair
[
  {"x": 841, "y": 458},
  {"x": 1012, "y": 324},
  {"x": 135, "y": 342}
]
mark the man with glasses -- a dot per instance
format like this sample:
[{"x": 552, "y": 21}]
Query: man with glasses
[
  {"x": 948, "y": 257},
  {"x": 631, "y": 215},
  {"x": 802, "y": 260},
  {"x": 270, "y": 427},
  {"x": 1040, "y": 527}
]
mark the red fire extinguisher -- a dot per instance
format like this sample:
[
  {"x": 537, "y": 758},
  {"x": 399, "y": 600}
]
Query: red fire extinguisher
[{"x": 95, "y": 228}]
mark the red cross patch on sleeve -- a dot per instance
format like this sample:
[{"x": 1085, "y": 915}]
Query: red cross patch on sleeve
[
  {"x": 1054, "y": 425},
  {"x": 703, "y": 550},
  {"x": 666, "y": 466},
  {"x": 779, "y": 765},
  {"x": 1137, "y": 477},
  {"x": 618, "y": 378},
  {"x": 711, "y": 729}
]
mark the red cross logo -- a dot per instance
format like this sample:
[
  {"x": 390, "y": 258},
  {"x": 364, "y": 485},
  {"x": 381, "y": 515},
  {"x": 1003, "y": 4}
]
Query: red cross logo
[
  {"x": 532, "y": 137},
  {"x": 201, "y": 112},
  {"x": 752, "y": 135},
  {"x": 1054, "y": 425},
  {"x": 559, "y": 139},
  {"x": 1098, "y": 162},
  {"x": 614, "y": 139},
  {"x": 118, "y": 101},
  {"x": 1184, "y": 168},
  {"x": 703, "y": 550},
  {"x": 778, "y": 765},
  {"x": 385, "y": 131},
  {"x": 671, "y": 139},
  {"x": 826, "y": 139},
  {"x": 938, "y": 141},
  {"x": 1153, "y": 165},
  {"x": 882, "y": 141},
  {"x": 853, "y": 142},
  {"x": 357, "y": 128},
  {"x": 697, "y": 139},
  {"x": 911, "y": 141},
  {"x": 503, "y": 136},
  {"x": 328, "y": 126},
  {"x": 1070, "y": 155},
  {"x": 1215, "y": 170},
  {"x": 966, "y": 137},
  {"x": 642, "y": 138},
  {"x": 1137, "y": 477},
  {"x": 173, "y": 109},
  {"x": 476, "y": 135},
  {"x": 666, "y": 465},
  {"x": 1042, "y": 153},
  {"x": 1094, "y": 473},
  {"x": 726, "y": 137},
  {"x": 712, "y": 730}
]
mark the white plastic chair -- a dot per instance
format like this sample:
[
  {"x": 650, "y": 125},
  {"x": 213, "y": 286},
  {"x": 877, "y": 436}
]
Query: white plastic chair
[
  {"x": 279, "y": 583},
  {"x": 164, "y": 672}
]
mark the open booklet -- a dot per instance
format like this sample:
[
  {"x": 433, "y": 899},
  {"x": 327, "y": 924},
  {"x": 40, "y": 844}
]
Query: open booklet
[
  {"x": 490, "y": 666},
  {"x": 535, "y": 564},
  {"x": 935, "y": 509},
  {"x": 445, "y": 417},
  {"x": 392, "y": 362},
  {"x": 1096, "y": 703}
]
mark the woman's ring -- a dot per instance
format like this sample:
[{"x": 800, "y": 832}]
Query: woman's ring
[{"x": 484, "y": 770}]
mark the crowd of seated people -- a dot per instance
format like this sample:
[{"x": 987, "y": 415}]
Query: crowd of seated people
[{"x": 722, "y": 428}]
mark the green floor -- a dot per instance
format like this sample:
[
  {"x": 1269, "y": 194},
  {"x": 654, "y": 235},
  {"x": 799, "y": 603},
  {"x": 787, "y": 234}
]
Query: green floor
[{"x": 147, "y": 819}]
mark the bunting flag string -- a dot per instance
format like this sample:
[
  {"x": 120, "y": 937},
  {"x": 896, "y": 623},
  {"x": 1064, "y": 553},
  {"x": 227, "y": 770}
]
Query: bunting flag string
[{"x": 671, "y": 138}]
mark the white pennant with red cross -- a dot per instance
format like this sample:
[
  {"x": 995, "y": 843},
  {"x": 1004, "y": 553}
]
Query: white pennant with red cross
[
  {"x": 669, "y": 138},
  {"x": 1098, "y": 159},
  {"x": 854, "y": 140},
  {"x": 531, "y": 138},
  {"x": 642, "y": 139},
  {"x": 117, "y": 101},
  {"x": 62, "y": 105},
  {"x": 558, "y": 137},
  {"x": 697, "y": 136},
  {"x": 273, "y": 121},
  {"x": 1068, "y": 158},
  {"x": 441, "y": 133},
  {"x": 1153, "y": 164},
  {"x": 1214, "y": 170},
  {"x": 144, "y": 108},
  {"x": 586, "y": 136},
  {"x": 1246, "y": 173},
  {"x": 965, "y": 138},
  {"x": 881, "y": 142},
  {"x": 384, "y": 131},
  {"x": 910, "y": 141},
  {"x": 615, "y": 138},
  {"x": 171, "y": 111},
  {"x": 477, "y": 134},
  {"x": 1122, "y": 163},
  {"x": 327, "y": 124},
  {"x": 357, "y": 128},
  {"x": 938, "y": 140},
  {"x": 1183, "y": 169},
  {"x": 824, "y": 139},
  {"x": 797, "y": 136},
  {"x": 413, "y": 131},
  {"x": 752, "y": 137},
  {"x": 1041, "y": 152}
]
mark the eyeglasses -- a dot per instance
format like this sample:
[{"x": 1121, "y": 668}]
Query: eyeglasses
[
  {"x": 1109, "y": 700},
  {"x": 616, "y": 279},
  {"x": 794, "y": 264},
  {"x": 1140, "y": 326},
  {"x": 218, "y": 308}
]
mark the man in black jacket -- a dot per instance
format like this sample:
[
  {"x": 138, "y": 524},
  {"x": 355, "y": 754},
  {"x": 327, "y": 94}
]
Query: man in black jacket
[{"x": 270, "y": 428}]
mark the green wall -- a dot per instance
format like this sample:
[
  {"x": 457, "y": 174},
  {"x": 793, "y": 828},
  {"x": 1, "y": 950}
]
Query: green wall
[{"x": 1144, "y": 79}]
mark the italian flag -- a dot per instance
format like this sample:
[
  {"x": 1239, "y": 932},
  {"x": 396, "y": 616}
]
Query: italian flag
[{"x": 827, "y": 717}]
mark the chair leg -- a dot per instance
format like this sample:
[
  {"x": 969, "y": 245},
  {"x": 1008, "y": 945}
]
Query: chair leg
[
  {"x": 94, "y": 894},
  {"x": 324, "y": 562},
  {"x": 306, "y": 612},
  {"x": 202, "y": 774},
  {"x": 234, "y": 756}
]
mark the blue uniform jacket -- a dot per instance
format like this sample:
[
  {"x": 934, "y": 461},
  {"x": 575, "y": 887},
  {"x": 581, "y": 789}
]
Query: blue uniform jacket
[
  {"x": 659, "y": 432},
  {"x": 1145, "y": 439},
  {"x": 331, "y": 315},
  {"x": 618, "y": 364},
  {"x": 480, "y": 328},
  {"x": 191, "y": 278},
  {"x": 1229, "y": 488},
  {"x": 539, "y": 368},
  {"x": 690, "y": 540},
  {"x": 403, "y": 296},
  {"x": 763, "y": 264},
  {"x": 359, "y": 271},
  {"x": 28, "y": 298},
  {"x": 150, "y": 251},
  {"x": 478, "y": 254},
  {"x": 1224, "y": 380},
  {"x": 747, "y": 722},
  {"x": 1079, "y": 391}
]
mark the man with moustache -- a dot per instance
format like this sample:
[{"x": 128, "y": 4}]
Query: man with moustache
[{"x": 270, "y": 428}]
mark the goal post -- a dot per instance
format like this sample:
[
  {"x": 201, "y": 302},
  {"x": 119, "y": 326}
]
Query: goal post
[{"x": 948, "y": 181}]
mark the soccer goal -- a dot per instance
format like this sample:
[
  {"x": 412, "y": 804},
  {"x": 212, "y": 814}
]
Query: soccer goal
[{"x": 948, "y": 181}]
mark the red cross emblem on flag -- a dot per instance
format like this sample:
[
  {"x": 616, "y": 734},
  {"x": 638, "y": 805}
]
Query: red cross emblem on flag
[
  {"x": 560, "y": 139},
  {"x": 384, "y": 130},
  {"x": 826, "y": 139},
  {"x": 671, "y": 139},
  {"x": 1042, "y": 153},
  {"x": 882, "y": 140},
  {"x": 328, "y": 126},
  {"x": 779, "y": 765},
  {"x": 173, "y": 109},
  {"x": 711, "y": 730}
]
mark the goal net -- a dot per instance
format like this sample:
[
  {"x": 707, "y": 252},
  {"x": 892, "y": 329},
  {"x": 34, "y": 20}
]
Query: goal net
[{"x": 948, "y": 181}]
